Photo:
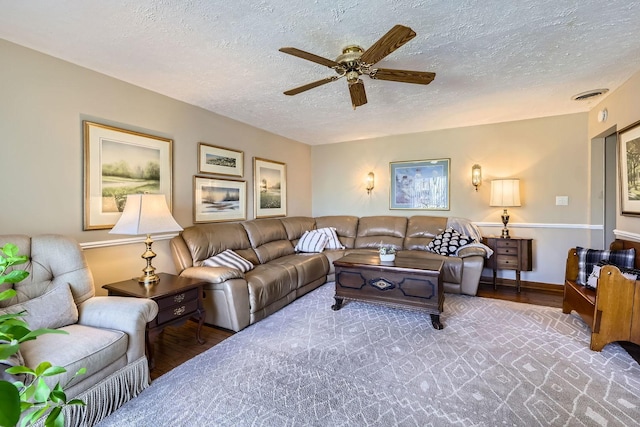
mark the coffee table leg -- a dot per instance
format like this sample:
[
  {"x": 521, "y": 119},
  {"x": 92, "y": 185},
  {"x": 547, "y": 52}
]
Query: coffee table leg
[
  {"x": 435, "y": 321},
  {"x": 338, "y": 305}
]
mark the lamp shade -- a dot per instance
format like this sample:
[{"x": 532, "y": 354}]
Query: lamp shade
[
  {"x": 505, "y": 192},
  {"x": 145, "y": 214}
]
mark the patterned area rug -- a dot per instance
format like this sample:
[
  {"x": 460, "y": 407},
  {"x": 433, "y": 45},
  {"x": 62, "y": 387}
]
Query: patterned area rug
[{"x": 495, "y": 363}]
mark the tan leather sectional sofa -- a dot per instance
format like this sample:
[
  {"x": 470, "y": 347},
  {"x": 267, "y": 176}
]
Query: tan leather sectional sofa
[{"x": 234, "y": 300}]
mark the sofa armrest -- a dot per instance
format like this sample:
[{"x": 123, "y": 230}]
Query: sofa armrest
[
  {"x": 212, "y": 274},
  {"x": 467, "y": 251},
  {"x": 472, "y": 267},
  {"x": 126, "y": 314}
]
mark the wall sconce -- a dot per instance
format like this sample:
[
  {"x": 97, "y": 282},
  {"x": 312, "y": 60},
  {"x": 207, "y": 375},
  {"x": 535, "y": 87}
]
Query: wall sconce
[
  {"x": 370, "y": 182},
  {"x": 476, "y": 175}
]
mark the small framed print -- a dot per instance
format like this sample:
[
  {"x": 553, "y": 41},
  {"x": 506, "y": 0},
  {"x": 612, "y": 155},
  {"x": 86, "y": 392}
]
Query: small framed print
[
  {"x": 216, "y": 200},
  {"x": 269, "y": 188},
  {"x": 220, "y": 161}
]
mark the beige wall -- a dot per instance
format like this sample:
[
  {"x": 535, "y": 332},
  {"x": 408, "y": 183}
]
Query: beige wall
[
  {"x": 549, "y": 155},
  {"x": 43, "y": 102},
  {"x": 623, "y": 110}
]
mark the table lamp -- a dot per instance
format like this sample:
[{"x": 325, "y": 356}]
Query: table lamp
[
  {"x": 505, "y": 193},
  {"x": 146, "y": 214}
]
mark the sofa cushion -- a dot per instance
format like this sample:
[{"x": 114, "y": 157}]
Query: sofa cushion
[
  {"x": 448, "y": 242},
  {"x": 228, "y": 258},
  {"x": 312, "y": 241},
  {"x": 54, "y": 309},
  {"x": 206, "y": 240},
  {"x": 332, "y": 238},
  {"x": 295, "y": 226},
  {"x": 83, "y": 347},
  {"x": 588, "y": 258},
  {"x": 421, "y": 230},
  {"x": 268, "y": 283},
  {"x": 346, "y": 227}
]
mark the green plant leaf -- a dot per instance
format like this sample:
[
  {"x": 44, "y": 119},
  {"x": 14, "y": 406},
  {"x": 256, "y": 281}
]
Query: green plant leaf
[
  {"x": 9, "y": 349},
  {"x": 57, "y": 395},
  {"x": 42, "y": 390},
  {"x": 9, "y": 404},
  {"x": 34, "y": 416},
  {"x": 35, "y": 334},
  {"x": 8, "y": 294},
  {"x": 20, "y": 370},
  {"x": 55, "y": 418},
  {"x": 43, "y": 366},
  {"x": 76, "y": 402},
  {"x": 14, "y": 276},
  {"x": 53, "y": 370}
]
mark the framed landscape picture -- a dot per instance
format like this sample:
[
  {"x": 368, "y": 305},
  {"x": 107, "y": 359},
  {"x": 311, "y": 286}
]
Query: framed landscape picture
[
  {"x": 269, "y": 188},
  {"x": 629, "y": 149},
  {"x": 119, "y": 162},
  {"x": 219, "y": 160},
  {"x": 419, "y": 184},
  {"x": 219, "y": 200}
]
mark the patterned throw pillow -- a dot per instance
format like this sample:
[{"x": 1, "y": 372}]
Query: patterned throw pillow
[
  {"x": 312, "y": 241},
  {"x": 592, "y": 280},
  {"x": 448, "y": 242},
  {"x": 333, "y": 242},
  {"x": 228, "y": 258},
  {"x": 588, "y": 258}
]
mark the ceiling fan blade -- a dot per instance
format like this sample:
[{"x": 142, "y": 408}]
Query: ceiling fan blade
[
  {"x": 311, "y": 85},
  {"x": 309, "y": 56},
  {"x": 405, "y": 76},
  {"x": 358, "y": 95},
  {"x": 396, "y": 37}
]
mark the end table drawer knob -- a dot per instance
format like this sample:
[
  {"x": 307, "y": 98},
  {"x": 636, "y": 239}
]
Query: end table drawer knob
[
  {"x": 178, "y": 298},
  {"x": 179, "y": 311}
]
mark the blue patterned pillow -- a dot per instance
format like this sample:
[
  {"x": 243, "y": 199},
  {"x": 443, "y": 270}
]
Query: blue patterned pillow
[{"x": 588, "y": 258}]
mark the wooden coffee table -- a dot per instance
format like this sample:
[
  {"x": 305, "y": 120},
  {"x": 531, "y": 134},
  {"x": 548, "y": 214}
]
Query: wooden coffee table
[{"x": 407, "y": 282}]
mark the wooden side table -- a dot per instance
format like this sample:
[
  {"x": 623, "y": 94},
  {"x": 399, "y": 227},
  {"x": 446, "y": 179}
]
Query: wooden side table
[
  {"x": 178, "y": 299},
  {"x": 509, "y": 254}
]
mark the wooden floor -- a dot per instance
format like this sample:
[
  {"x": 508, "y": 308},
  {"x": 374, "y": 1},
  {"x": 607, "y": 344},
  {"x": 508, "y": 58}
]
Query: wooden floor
[{"x": 176, "y": 345}]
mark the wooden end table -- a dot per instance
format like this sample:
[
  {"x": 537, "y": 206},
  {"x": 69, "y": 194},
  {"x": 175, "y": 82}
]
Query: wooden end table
[
  {"x": 178, "y": 299},
  {"x": 512, "y": 253}
]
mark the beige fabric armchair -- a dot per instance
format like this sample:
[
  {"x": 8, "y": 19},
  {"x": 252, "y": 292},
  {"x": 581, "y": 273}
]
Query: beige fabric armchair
[{"x": 106, "y": 335}]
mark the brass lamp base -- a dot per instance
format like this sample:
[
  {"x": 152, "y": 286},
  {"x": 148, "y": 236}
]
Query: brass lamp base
[
  {"x": 505, "y": 221},
  {"x": 150, "y": 277}
]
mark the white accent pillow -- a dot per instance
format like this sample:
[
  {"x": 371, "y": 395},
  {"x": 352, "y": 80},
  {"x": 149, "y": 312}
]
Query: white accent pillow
[
  {"x": 228, "y": 258},
  {"x": 312, "y": 241},
  {"x": 333, "y": 242}
]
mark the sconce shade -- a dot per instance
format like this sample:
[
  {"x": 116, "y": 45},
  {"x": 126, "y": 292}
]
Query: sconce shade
[
  {"x": 370, "y": 182},
  {"x": 476, "y": 175},
  {"x": 145, "y": 214},
  {"x": 505, "y": 192}
]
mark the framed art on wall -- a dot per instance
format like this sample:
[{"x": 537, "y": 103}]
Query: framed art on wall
[
  {"x": 419, "y": 184},
  {"x": 119, "y": 162},
  {"x": 269, "y": 188},
  {"x": 629, "y": 149},
  {"x": 219, "y": 200},
  {"x": 219, "y": 160}
]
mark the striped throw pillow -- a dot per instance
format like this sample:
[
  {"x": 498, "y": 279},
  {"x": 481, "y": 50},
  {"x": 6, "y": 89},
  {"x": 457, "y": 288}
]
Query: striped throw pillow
[
  {"x": 312, "y": 241},
  {"x": 228, "y": 258},
  {"x": 334, "y": 242}
]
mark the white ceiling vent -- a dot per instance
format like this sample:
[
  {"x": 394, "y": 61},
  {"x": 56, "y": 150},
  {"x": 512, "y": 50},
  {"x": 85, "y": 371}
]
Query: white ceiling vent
[{"x": 589, "y": 94}]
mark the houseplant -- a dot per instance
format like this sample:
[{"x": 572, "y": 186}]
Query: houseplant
[
  {"x": 33, "y": 398},
  {"x": 387, "y": 252}
]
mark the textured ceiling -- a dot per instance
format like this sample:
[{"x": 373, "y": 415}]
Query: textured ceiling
[{"x": 495, "y": 60}]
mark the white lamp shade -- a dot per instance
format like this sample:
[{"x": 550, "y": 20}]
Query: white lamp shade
[
  {"x": 505, "y": 192},
  {"x": 145, "y": 214}
]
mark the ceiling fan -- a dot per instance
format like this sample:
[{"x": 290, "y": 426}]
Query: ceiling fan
[{"x": 356, "y": 61}]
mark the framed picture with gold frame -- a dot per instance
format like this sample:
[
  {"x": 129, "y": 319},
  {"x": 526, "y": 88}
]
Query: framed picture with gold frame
[
  {"x": 220, "y": 160},
  {"x": 216, "y": 200},
  {"x": 119, "y": 162},
  {"x": 269, "y": 188},
  {"x": 629, "y": 167}
]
